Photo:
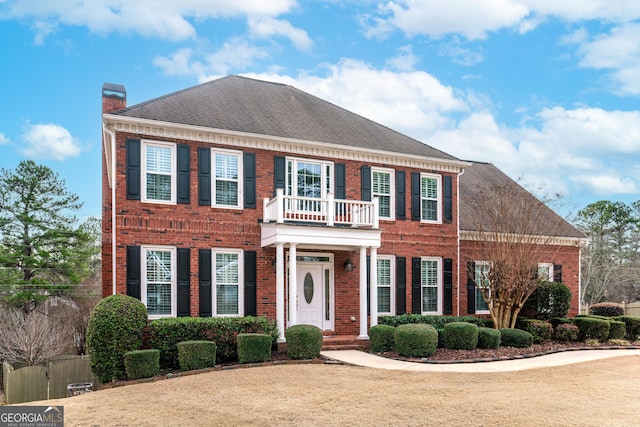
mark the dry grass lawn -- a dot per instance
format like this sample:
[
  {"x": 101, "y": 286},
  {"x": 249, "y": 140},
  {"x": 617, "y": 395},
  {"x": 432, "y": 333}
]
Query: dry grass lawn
[{"x": 599, "y": 393}]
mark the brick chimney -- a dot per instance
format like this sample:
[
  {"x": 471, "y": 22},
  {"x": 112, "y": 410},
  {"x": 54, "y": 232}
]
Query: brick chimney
[{"x": 114, "y": 97}]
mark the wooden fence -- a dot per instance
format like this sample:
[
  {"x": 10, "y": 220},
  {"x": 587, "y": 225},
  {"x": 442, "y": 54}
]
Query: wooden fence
[
  {"x": 630, "y": 309},
  {"x": 29, "y": 383}
]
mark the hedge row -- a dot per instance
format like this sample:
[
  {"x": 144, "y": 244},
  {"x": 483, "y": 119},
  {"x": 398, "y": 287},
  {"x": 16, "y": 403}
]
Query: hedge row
[{"x": 437, "y": 322}]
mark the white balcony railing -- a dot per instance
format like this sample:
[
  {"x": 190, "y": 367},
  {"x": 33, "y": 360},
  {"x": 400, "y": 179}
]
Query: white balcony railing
[{"x": 327, "y": 211}]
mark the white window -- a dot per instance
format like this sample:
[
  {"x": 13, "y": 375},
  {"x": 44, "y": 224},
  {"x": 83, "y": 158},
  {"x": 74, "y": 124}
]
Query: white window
[
  {"x": 159, "y": 172},
  {"x": 431, "y": 283},
  {"x": 545, "y": 271},
  {"x": 481, "y": 277},
  {"x": 159, "y": 283},
  {"x": 430, "y": 198},
  {"x": 309, "y": 178},
  {"x": 386, "y": 285},
  {"x": 227, "y": 178},
  {"x": 228, "y": 279},
  {"x": 382, "y": 186}
]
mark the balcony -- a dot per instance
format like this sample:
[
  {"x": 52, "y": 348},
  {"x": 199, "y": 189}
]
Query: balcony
[{"x": 330, "y": 211}]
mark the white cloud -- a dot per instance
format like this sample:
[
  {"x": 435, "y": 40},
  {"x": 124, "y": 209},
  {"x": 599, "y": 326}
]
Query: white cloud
[
  {"x": 604, "y": 184},
  {"x": 265, "y": 27},
  {"x": 460, "y": 55},
  {"x": 49, "y": 141},
  {"x": 405, "y": 60},
  {"x": 3, "y": 139}
]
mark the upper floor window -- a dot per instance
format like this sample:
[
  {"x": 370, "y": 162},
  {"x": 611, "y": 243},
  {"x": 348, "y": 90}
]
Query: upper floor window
[
  {"x": 382, "y": 187},
  {"x": 309, "y": 178},
  {"x": 159, "y": 172},
  {"x": 159, "y": 283},
  {"x": 386, "y": 286},
  {"x": 431, "y": 283},
  {"x": 430, "y": 198},
  {"x": 227, "y": 178}
]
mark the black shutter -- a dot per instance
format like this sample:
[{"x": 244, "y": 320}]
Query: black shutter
[
  {"x": 401, "y": 196},
  {"x": 415, "y": 196},
  {"x": 447, "y": 281},
  {"x": 184, "y": 174},
  {"x": 204, "y": 273},
  {"x": 204, "y": 176},
  {"x": 341, "y": 181},
  {"x": 557, "y": 273},
  {"x": 133, "y": 169},
  {"x": 250, "y": 281},
  {"x": 133, "y": 271},
  {"x": 279, "y": 172},
  {"x": 249, "y": 180},
  {"x": 368, "y": 285},
  {"x": 365, "y": 178},
  {"x": 416, "y": 280},
  {"x": 401, "y": 285},
  {"x": 471, "y": 288},
  {"x": 448, "y": 197},
  {"x": 184, "y": 282}
]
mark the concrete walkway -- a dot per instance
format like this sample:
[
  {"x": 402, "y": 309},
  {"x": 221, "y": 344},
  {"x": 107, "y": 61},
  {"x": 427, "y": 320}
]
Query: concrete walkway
[{"x": 361, "y": 358}]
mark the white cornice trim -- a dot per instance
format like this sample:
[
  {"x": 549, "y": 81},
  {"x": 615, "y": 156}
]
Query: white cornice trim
[
  {"x": 160, "y": 129},
  {"x": 506, "y": 237}
]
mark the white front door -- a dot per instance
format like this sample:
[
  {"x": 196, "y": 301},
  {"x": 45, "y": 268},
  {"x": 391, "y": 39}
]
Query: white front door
[{"x": 310, "y": 294}]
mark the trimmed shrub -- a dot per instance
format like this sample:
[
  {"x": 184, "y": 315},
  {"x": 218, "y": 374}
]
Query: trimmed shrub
[
  {"x": 437, "y": 322},
  {"x": 488, "y": 338},
  {"x": 416, "y": 340},
  {"x": 381, "y": 338},
  {"x": 609, "y": 309},
  {"x": 115, "y": 327},
  {"x": 541, "y": 330},
  {"x": 592, "y": 328},
  {"x": 166, "y": 333},
  {"x": 254, "y": 348},
  {"x": 567, "y": 332},
  {"x": 549, "y": 300},
  {"x": 460, "y": 336},
  {"x": 559, "y": 321},
  {"x": 515, "y": 338},
  {"x": 617, "y": 330},
  {"x": 633, "y": 326},
  {"x": 142, "y": 363},
  {"x": 303, "y": 341},
  {"x": 196, "y": 355}
]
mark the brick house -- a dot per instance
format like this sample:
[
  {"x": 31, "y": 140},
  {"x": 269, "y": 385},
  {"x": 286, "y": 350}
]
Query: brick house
[{"x": 243, "y": 197}]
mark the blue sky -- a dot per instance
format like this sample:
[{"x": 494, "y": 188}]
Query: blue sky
[{"x": 547, "y": 90}]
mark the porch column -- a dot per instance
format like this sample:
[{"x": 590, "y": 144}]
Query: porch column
[
  {"x": 280, "y": 291},
  {"x": 373, "y": 286},
  {"x": 293, "y": 285},
  {"x": 363, "y": 294}
]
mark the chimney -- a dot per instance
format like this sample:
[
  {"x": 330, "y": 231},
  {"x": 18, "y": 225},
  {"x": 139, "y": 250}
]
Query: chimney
[{"x": 114, "y": 97}]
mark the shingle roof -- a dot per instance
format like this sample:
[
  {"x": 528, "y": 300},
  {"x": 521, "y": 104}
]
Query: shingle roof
[
  {"x": 475, "y": 181},
  {"x": 264, "y": 108}
]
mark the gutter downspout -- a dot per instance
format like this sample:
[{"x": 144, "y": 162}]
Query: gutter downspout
[
  {"x": 113, "y": 206},
  {"x": 458, "y": 219}
]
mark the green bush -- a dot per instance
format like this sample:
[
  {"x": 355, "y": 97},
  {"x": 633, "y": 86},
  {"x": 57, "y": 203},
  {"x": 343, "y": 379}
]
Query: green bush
[
  {"x": 515, "y": 338},
  {"x": 540, "y": 329},
  {"x": 196, "y": 355},
  {"x": 142, "y": 363},
  {"x": 567, "y": 332},
  {"x": 609, "y": 309},
  {"x": 633, "y": 326},
  {"x": 617, "y": 330},
  {"x": 437, "y": 322},
  {"x": 488, "y": 338},
  {"x": 303, "y": 341},
  {"x": 416, "y": 340},
  {"x": 381, "y": 338},
  {"x": 460, "y": 336},
  {"x": 549, "y": 300},
  {"x": 166, "y": 333},
  {"x": 592, "y": 328},
  {"x": 115, "y": 327},
  {"x": 254, "y": 348},
  {"x": 559, "y": 321}
]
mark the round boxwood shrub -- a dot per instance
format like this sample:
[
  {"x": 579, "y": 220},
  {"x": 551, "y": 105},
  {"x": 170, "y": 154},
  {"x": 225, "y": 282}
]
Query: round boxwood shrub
[
  {"x": 254, "y": 348},
  {"x": 515, "y": 338},
  {"x": 592, "y": 328},
  {"x": 460, "y": 336},
  {"x": 488, "y": 338},
  {"x": 142, "y": 363},
  {"x": 566, "y": 332},
  {"x": 416, "y": 340},
  {"x": 617, "y": 330},
  {"x": 633, "y": 326},
  {"x": 381, "y": 338},
  {"x": 303, "y": 341},
  {"x": 115, "y": 327},
  {"x": 540, "y": 329},
  {"x": 608, "y": 309}
]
